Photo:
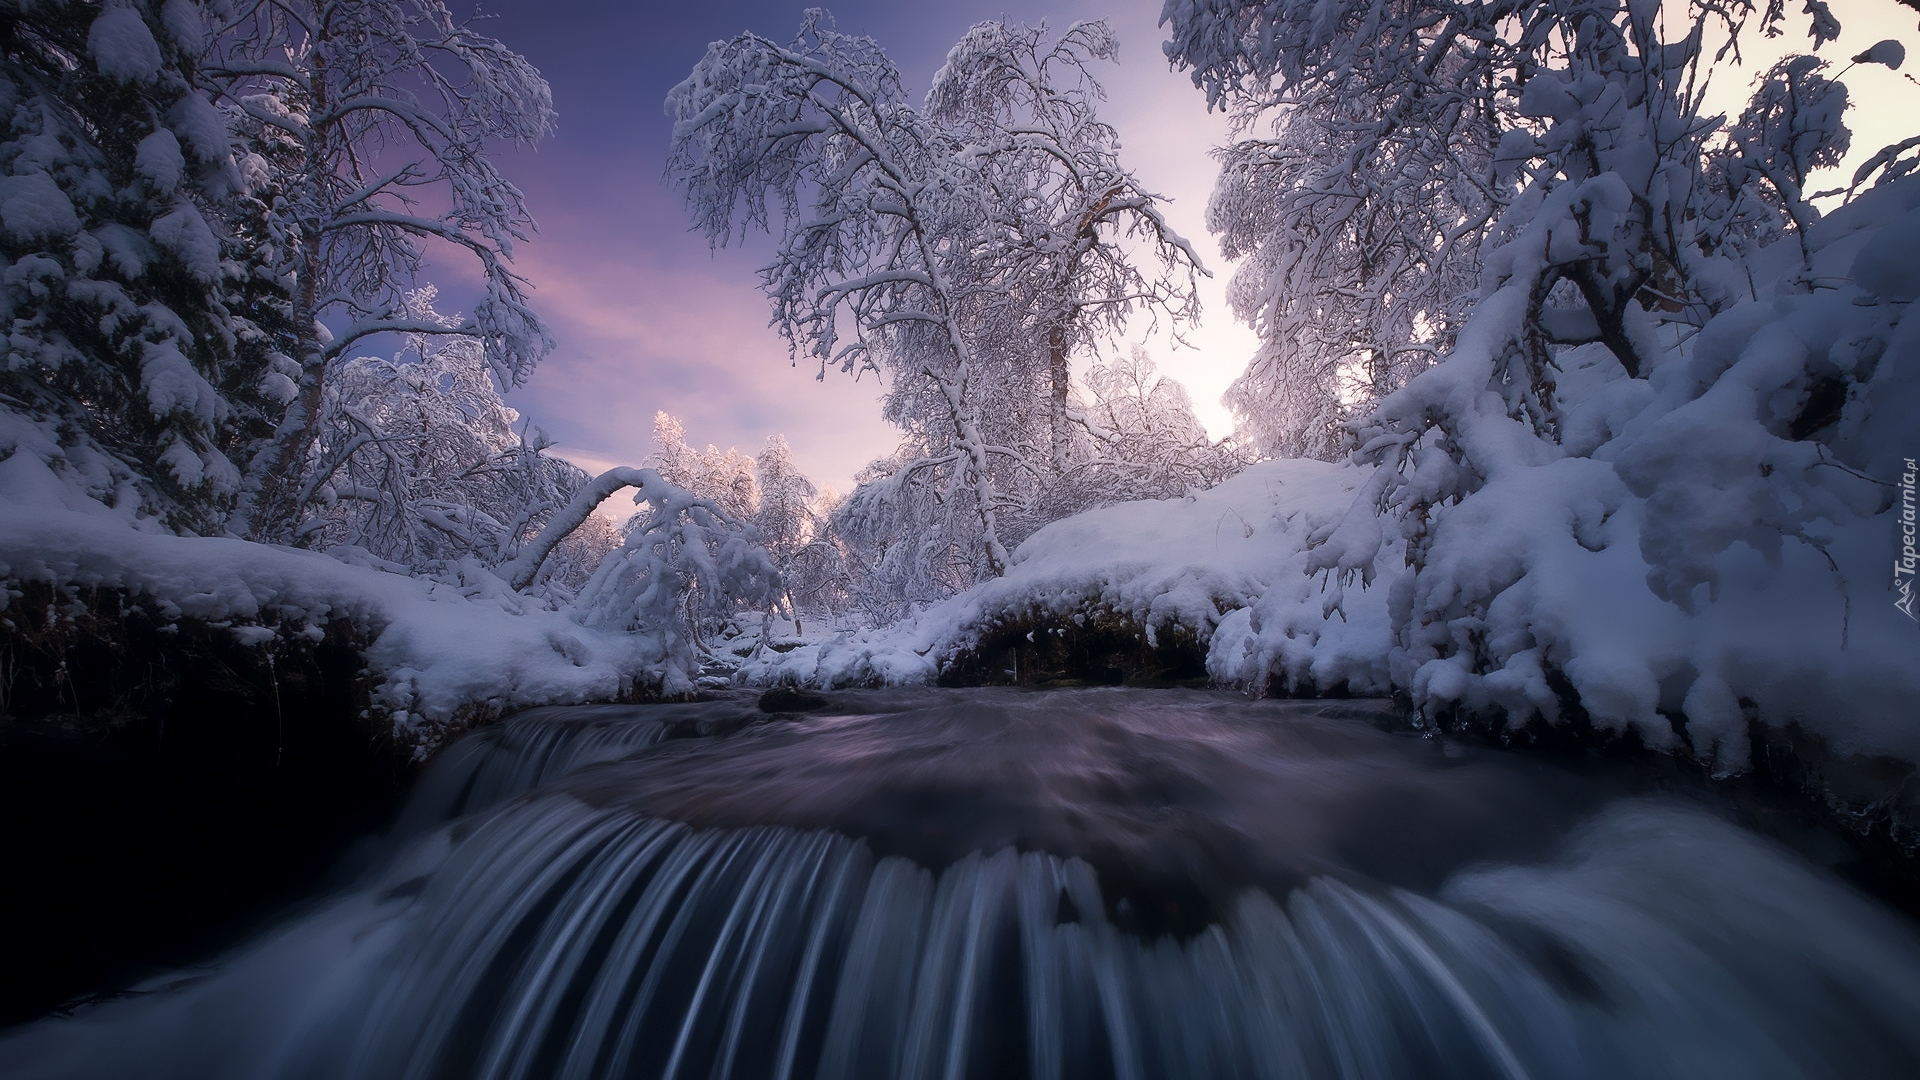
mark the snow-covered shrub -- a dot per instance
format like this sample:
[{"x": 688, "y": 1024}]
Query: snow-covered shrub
[{"x": 686, "y": 566}]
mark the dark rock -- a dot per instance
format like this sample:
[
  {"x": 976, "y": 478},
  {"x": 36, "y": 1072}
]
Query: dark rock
[{"x": 790, "y": 699}]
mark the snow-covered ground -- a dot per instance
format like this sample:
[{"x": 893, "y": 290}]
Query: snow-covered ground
[
  {"x": 438, "y": 648},
  {"x": 1676, "y": 556}
]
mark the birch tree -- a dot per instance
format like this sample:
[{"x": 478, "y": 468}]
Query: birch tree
[
  {"x": 1412, "y": 136},
  {"x": 961, "y": 251},
  {"x": 816, "y": 131},
  {"x": 1067, "y": 225},
  {"x": 370, "y": 124}
]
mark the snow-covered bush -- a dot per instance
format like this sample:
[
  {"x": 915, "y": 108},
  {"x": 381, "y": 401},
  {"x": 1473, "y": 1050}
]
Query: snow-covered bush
[{"x": 686, "y": 567}]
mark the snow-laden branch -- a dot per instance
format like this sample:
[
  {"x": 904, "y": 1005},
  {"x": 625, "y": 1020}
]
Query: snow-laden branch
[{"x": 521, "y": 572}]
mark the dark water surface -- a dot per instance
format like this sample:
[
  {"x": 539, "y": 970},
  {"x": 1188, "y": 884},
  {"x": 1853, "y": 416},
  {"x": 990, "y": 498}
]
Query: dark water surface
[{"x": 1002, "y": 883}]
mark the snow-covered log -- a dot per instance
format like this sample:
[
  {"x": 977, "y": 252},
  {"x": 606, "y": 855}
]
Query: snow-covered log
[{"x": 526, "y": 566}]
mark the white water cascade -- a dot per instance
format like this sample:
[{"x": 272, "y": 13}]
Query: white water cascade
[{"x": 563, "y": 926}]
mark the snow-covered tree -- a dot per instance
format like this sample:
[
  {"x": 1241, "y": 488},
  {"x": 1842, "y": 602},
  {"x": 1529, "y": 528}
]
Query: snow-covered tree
[
  {"x": 1607, "y": 230},
  {"x": 820, "y": 130},
  {"x": 1791, "y": 127},
  {"x": 677, "y": 462},
  {"x": 728, "y": 477},
  {"x": 370, "y": 127},
  {"x": 784, "y": 516},
  {"x": 1644, "y": 392},
  {"x": 771, "y": 492},
  {"x": 784, "y": 509},
  {"x": 1156, "y": 448},
  {"x": 967, "y": 247},
  {"x": 1419, "y": 142},
  {"x": 685, "y": 564},
  {"x": 137, "y": 364},
  {"x": 1022, "y": 106},
  {"x": 1357, "y": 194},
  {"x": 420, "y": 462}
]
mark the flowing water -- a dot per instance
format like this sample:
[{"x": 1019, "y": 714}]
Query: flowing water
[{"x": 997, "y": 883}]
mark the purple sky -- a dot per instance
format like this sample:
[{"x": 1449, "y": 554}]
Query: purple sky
[{"x": 646, "y": 318}]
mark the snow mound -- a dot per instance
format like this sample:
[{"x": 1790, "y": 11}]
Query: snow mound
[
  {"x": 1677, "y": 557},
  {"x": 1158, "y": 564},
  {"x": 440, "y": 650}
]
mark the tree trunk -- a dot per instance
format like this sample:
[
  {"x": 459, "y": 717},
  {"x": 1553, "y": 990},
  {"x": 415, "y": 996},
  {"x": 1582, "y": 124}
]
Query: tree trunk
[
  {"x": 1058, "y": 372},
  {"x": 269, "y": 510}
]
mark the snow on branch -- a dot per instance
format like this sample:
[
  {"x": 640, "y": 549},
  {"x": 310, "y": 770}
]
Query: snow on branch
[{"x": 325, "y": 95}]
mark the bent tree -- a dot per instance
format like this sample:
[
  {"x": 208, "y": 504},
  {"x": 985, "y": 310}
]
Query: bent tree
[{"x": 958, "y": 250}]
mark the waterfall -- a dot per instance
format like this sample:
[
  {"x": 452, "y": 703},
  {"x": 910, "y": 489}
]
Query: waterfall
[
  {"x": 551, "y": 937},
  {"x": 520, "y": 755}
]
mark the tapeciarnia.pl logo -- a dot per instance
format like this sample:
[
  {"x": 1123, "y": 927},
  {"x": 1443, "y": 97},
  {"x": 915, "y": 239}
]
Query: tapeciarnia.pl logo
[{"x": 1905, "y": 565}]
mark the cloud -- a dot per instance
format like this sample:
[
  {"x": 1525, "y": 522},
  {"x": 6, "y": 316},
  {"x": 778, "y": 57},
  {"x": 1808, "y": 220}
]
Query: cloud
[{"x": 668, "y": 326}]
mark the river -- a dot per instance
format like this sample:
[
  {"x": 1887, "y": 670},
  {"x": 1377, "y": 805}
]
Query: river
[{"x": 1004, "y": 883}]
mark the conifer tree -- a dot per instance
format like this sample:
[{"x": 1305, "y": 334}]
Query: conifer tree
[{"x": 141, "y": 362}]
